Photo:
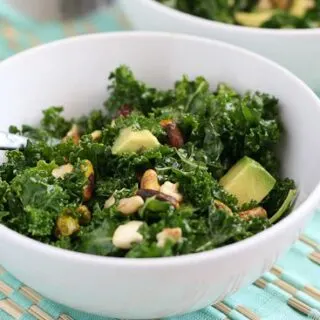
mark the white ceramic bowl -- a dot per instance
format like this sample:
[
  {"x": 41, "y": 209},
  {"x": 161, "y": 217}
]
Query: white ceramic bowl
[
  {"x": 73, "y": 73},
  {"x": 298, "y": 50}
]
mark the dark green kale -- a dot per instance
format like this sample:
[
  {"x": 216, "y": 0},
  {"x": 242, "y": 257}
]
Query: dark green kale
[
  {"x": 217, "y": 128},
  {"x": 278, "y": 195}
]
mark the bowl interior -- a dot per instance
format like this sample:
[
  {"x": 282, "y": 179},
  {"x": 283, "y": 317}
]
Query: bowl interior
[{"x": 74, "y": 74}]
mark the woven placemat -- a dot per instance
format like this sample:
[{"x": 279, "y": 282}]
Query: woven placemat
[{"x": 290, "y": 291}]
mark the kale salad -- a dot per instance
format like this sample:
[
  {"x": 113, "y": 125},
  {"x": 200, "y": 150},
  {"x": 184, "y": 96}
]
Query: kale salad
[
  {"x": 254, "y": 13},
  {"x": 154, "y": 173}
]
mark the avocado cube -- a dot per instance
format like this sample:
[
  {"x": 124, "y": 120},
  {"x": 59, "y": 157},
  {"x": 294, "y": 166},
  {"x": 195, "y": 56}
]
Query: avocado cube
[
  {"x": 134, "y": 141},
  {"x": 248, "y": 180}
]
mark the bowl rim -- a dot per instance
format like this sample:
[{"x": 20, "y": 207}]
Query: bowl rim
[
  {"x": 202, "y": 22},
  {"x": 304, "y": 209}
]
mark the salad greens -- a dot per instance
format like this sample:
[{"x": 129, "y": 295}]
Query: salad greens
[
  {"x": 155, "y": 173},
  {"x": 254, "y": 13}
]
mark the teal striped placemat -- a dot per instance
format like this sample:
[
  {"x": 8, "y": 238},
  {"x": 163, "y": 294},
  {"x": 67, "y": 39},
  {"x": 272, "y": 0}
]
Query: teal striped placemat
[{"x": 290, "y": 291}]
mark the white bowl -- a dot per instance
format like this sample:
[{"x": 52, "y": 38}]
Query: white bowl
[
  {"x": 73, "y": 73},
  {"x": 297, "y": 50}
]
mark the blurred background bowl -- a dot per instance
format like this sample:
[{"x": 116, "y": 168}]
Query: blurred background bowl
[{"x": 296, "y": 49}]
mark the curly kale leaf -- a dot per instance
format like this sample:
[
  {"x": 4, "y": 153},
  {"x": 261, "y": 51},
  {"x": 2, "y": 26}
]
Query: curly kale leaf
[
  {"x": 125, "y": 89},
  {"x": 35, "y": 187},
  {"x": 35, "y": 200},
  {"x": 40, "y": 222},
  {"x": 52, "y": 125},
  {"x": 225, "y": 228}
]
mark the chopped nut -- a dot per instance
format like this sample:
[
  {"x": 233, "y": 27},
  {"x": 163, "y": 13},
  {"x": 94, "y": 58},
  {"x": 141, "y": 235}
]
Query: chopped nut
[
  {"x": 281, "y": 4},
  {"x": 130, "y": 205},
  {"x": 165, "y": 122},
  {"x": 258, "y": 212},
  {"x": 174, "y": 134},
  {"x": 85, "y": 214},
  {"x": 264, "y": 4},
  {"x": 61, "y": 171},
  {"x": 66, "y": 226},
  {"x": 96, "y": 135},
  {"x": 87, "y": 169},
  {"x": 149, "y": 180},
  {"x": 220, "y": 205},
  {"x": 145, "y": 193},
  {"x": 172, "y": 190},
  {"x": 172, "y": 234},
  {"x": 73, "y": 134},
  {"x": 127, "y": 234},
  {"x": 110, "y": 202},
  {"x": 124, "y": 110}
]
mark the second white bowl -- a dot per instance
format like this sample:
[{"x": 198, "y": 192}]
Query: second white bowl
[{"x": 298, "y": 50}]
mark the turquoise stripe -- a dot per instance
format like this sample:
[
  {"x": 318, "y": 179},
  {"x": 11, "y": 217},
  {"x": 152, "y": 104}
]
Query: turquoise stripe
[
  {"x": 5, "y": 316},
  {"x": 215, "y": 314},
  {"x": 269, "y": 277},
  {"x": 21, "y": 300},
  {"x": 293, "y": 280},
  {"x": 11, "y": 281},
  {"x": 303, "y": 248},
  {"x": 49, "y": 32},
  {"x": 2, "y": 296},
  {"x": 51, "y": 308},
  {"x": 235, "y": 315},
  {"x": 279, "y": 293},
  {"x": 104, "y": 21},
  {"x": 209, "y": 313},
  {"x": 27, "y": 316},
  {"x": 308, "y": 300},
  {"x": 231, "y": 302}
]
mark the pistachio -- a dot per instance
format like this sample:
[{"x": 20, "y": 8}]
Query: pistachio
[
  {"x": 66, "y": 226},
  {"x": 149, "y": 180},
  {"x": 87, "y": 169},
  {"x": 85, "y": 214}
]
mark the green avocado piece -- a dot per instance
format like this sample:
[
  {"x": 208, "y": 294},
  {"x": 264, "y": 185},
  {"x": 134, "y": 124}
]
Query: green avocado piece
[
  {"x": 248, "y": 180},
  {"x": 285, "y": 206},
  {"x": 253, "y": 19},
  {"x": 134, "y": 141},
  {"x": 300, "y": 7}
]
